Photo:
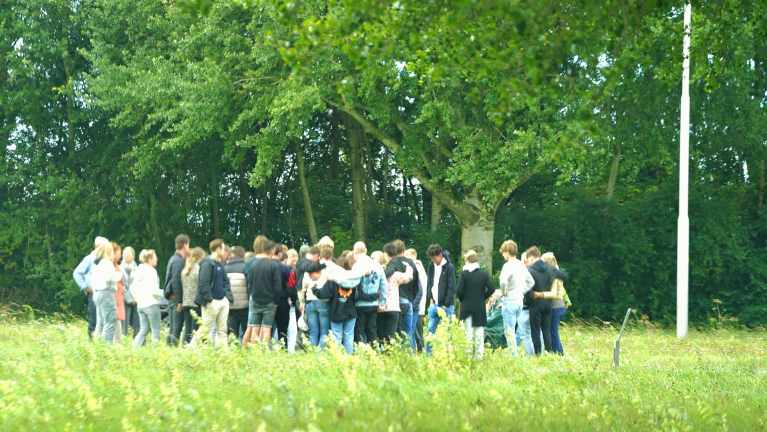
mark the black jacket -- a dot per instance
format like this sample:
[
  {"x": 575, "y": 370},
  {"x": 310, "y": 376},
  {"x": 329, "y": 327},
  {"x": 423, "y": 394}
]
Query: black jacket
[
  {"x": 411, "y": 290},
  {"x": 265, "y": 281},
  {"x": 446, "y": 284},
  {"x": 544, "y": 276},
  {"x": 173, "y": 286},
  {"x": 206, "y": 280},
  {"x": 341, "y": 306},
  {"x": 304, "y": 265},
  {"x": 474, "y": 287}
]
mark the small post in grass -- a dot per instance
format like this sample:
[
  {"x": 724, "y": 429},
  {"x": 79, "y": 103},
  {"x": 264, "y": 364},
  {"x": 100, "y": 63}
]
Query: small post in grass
[{"x": 617, "y": 346}]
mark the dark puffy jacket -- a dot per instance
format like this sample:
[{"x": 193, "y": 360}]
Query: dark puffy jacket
[{"x": 205, "y": 283}]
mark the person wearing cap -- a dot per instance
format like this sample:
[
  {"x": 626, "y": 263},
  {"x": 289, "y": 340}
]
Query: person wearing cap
[{"x": 82, "y": 276}]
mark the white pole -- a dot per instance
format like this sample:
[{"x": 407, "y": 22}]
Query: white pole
[{"x": 683, "y": 227}]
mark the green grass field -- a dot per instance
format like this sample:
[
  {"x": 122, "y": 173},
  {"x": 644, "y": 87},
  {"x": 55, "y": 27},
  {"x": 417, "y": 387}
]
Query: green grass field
[{"x": 53, "y": 378}]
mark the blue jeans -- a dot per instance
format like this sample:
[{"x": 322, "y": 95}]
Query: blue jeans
[
  {"x": 408, "y": 322},
  {"x": 434, "y": 320},
  {"x": 318, "y": 321},
  {"x": 556, "y": 316},
  {"x": 413, "y": 324},
  {"x": 106, "y": 313},
  {"x": 511, "y": 313},
  {"x": 523, "y": 333},
  {"x": 150, "y": 320},
  {"x": 343, "y": 332}
]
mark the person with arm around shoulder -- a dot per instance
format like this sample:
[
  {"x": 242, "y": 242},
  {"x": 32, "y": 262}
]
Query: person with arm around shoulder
[
  {"x": 145, "y": 289},
  {"x": 558, "y": 306},
  {"x": 515, "y": 283}
]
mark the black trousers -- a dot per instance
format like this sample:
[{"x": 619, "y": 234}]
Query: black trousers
[
  {"x": 190, "y": 323},
  {"x": 387, "y": 326},
  {"x": 237, "y": 322},
  {"x": 91, "y": 316},
  {"x": 366, "y": 325},
  {"x": 176, "y": 323},
  {"x": 540, "y": 319},
  {"x": 418, "y": 333},
  {"x": 282, "y": 319}
]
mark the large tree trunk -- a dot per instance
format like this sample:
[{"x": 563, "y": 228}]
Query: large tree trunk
[
  {"x": 248, "y": 202},
  {"x": 436, "y": 214},
  {"x": 614, "y": 171},
  {"x": 264, "y": 208},
  {"x": 214, "y": 204},
  {"x": 354, "y": 134},
  {"x": 385, "y": 183},
  {"x": 477, "y": 232},
  {"x": 305, "y": 193}
]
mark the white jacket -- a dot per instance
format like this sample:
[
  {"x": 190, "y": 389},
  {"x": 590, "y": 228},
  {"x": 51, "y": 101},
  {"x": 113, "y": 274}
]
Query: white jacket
[
  {"x": 105, "y": 277},
  {"x": 515, "y": 280},
  {"x": 146, "y": 286}
]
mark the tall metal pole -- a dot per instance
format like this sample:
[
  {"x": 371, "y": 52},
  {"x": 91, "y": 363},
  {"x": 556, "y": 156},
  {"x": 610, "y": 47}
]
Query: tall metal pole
[{"x": 683, "y": 227}]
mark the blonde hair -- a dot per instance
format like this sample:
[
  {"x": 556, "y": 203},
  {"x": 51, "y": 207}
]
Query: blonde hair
[
  {"x": 550, "y": 259},
  {"x": 326, "y": 241},
  {"x": 105, "y": 251},
  {"x": 129, "y": 250},
  {"x": 145, "y": 255},
  {"x": 381, "y": 257},
  {"x": 509, "y": 246},
  {"x": 195, "y": 255},
  {"x": 471, "y": 257},
  {"x": 292, "y": 253},
  {"x": 411, "y": 253}
]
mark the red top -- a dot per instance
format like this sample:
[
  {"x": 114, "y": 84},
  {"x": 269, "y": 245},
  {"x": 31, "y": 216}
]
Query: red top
[{"x": 120, "y": 297}]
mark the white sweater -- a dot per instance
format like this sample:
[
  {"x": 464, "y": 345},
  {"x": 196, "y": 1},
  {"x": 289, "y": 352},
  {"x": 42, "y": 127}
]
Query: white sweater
[
  {"x": 105, "y": 277},
  {"x": 515, "y": 280},
  {"x": 146, "y": 286}
]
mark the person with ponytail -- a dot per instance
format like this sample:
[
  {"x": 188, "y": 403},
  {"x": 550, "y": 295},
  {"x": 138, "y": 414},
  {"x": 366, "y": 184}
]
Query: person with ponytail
[{"x": 189, "y": 282}]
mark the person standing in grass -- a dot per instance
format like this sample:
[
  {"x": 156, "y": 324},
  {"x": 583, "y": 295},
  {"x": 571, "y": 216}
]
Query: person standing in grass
[
  {"x": 264, "y": 286},
  {"x": 540, "y": 308},
  {"x": 515, "y": 281},
  {"x": 119, "y": 294},
  {"x": 237, "y": 322},
  {"x": 441, "y": 288},
  {"x": 366, "y": 328},
  {"x": 104, "y": 281},
  {"x": 190, "y": 280},
  {"x": 474, "y": 288},
  {"x": 147, "y": 293},
  {"x": 389, "y": 310},
  {"x": 315, "y": 310},
  {"x": 556, "y": 295},
  {"x": 282, "y": 313},
  {"x": 342, "y": 310},
  {"x": 173, "y": 290},
  {"x": 128, "y": 265},
  {"x": 214, "y": 293},
  {"x": 421, "y": 306},
  {"x": 82, "y": 276}
]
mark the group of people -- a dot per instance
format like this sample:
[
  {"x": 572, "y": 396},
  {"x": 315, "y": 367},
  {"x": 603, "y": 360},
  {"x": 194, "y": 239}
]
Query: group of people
[{"x": 276, "y": 293}]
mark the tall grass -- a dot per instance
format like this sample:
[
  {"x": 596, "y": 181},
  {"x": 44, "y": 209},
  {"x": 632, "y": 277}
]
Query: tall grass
[{"x": 53, "y": 378}]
